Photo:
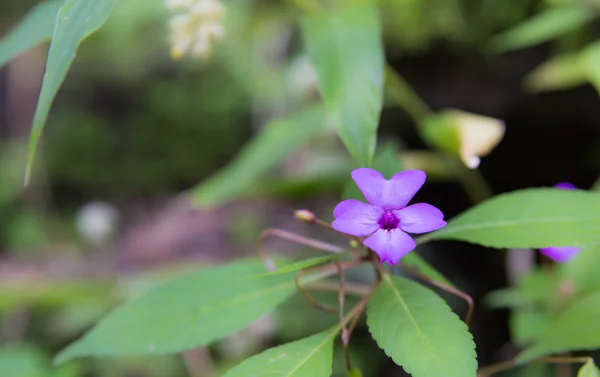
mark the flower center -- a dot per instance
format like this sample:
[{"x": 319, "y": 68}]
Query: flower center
[{"x": 388, "y": 221}]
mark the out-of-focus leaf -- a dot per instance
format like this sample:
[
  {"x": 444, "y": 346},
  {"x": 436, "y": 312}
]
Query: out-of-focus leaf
[
  {"x": 387, "y": 162},
  {"x": 528, "y": 325},
  {"x": 413, "y": 326},
  {"x": 76, "y": 20},
  {"x": 560, "y": 72},
  {"x": 22, "y": 362},
  {"x": 267, "y": 150},
  {"x": 590, "y": 61},
  {"x": 530, "y": 218},
  {"x": 345, "y": 47},
  {"x": 582, "y": 270},
  {"x": 589, "y": 369},
  {"x": 576, "y": 329},
  {"x": 186, "y": 312},
  {"x": 36, "y": 27},
  {"x": 551, "y": 23},
  {"x": 310, "y": 356}
]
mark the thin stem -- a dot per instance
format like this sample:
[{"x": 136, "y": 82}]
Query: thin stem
[
  {"x": 341, "y": 300},
  {"x": 472, "y": 182},
  {"x": 505, "y": 365},
  {"x": 362, "y": 305},
  {"x": 349, "y": 288},
  {"x": 456, "y": 292},
  {"x": 279, "y": 233},
  {"x": 405, "y": 96}
]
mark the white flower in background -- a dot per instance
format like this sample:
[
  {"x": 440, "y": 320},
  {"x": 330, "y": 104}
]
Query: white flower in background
[
  {"x": 196, "y": 27},
  {"x": 97, "y": 222}
]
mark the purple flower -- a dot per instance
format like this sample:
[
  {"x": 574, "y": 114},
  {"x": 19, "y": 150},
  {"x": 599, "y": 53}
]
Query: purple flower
[
  {"x": 565, "y": 253},
  {"x": 386, "y": 219}
]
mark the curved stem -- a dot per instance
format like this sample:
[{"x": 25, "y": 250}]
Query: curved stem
[
  {"x": 279, "y": 233},
  {"x": 468, "y": 299}
]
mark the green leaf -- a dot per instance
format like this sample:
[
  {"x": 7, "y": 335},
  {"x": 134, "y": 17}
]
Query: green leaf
[
  {"x": 417, "y": 329},
  {"x": 590, "y": 64},
  {"x": 560, "y": 72},
  {"x": 76, "y": 20},
  {"x": 310, "y": 356},
  {"x": 346, "y": 49},
  {"x": 549, "y": 24},
  {"x": 265, "y": 151},
  {"x": 36, "y": 27},
  {"x": 300, "y": 265},
  {"x": 576, "y": 329},
  {"x": 582, "y": 270},
  {"x": 387, "y": 162},
  {"x": 528, "y": 325},
  {"x": 589, "y": 369},
  {"x": 188, "y": 311},
  {"x": 530, "y": 218},
  {"x": 22, "y": 361}
]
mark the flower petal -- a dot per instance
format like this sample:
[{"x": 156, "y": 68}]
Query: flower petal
[
  {"x": 420, "y": 218},
  {"x": 390, "y": 245},
  {"x": 356, "y": 218},
  {"x": 388, "y": 194},
  {"x": 560, "y": 254},
  {"x": 565, "y": 186}
]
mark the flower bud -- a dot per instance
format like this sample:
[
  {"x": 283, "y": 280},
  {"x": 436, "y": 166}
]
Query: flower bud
[{"x": 305, "y": 216}]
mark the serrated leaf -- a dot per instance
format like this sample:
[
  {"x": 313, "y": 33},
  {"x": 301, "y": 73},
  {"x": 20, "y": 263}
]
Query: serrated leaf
[
  {"x": 346, "y": 50},
  {"x": 417, "y": 329},
  {"x": 76, "y": 20},
  {"x": 296, "y": 266},
  {"x": 531, "y": 218},
  {"x": 576, "y": 329},
  {"x": 36, "y": 27},
  {"x": 188, "y": 311},
  {"x": 589, "y": 369},
  {"x": 549, "y": 24},
  {"x": 310, "y": 356},
  {"x": 265, "y": 151},
  {"x": 413, "y": 259},
  {"x": 560, "y": 72}
]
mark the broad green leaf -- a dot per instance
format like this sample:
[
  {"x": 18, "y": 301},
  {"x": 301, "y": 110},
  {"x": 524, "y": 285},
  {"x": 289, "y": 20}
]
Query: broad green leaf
[
  {"x": 549, "y": 24},
  {"x": 387, "y": 162},
  {"x": 267, "y": 150},
  {"x": 310, "y": 356},
  {"x": 22, "y": 361},
  {"x": 299, "y": 265},
  {"x": 530, "y": 218},
  {"x": 582, "y": 271},
  {"x": 76, "y": 20},
  {"x": 589, "y": 369},
  {"x": 346, "y": 49},
  {"x": 577, "y": 329},
  {"x": 560, "y": 72},
  {"x": 36, "y": 27},
  {"x": 188, "y": 311},
  {"x": 416, "y": 328}
]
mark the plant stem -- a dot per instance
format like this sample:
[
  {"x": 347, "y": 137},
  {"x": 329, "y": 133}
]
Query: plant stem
[
  {"x": 405, "y": 96},
  {"x": 455, "y": 292}
]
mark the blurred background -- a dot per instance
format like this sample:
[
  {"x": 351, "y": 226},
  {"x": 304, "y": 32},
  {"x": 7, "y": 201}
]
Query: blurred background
[{"x": 134, "y": 134}]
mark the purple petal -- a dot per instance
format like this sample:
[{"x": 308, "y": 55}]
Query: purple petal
[
  {"x": 420, "y": 218},
  {"x": 390, "y": 245},
  {"x": 560, "y": 254},
  {"x": 392, "y": 194},
  {"x": 565, "y": 186},
  {"x": 356, "y": 218}
]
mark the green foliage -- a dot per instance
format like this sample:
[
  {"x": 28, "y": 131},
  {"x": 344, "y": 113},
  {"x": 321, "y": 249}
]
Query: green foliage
[
  {"x": 346, "y": 49},
  {"x": 417, "y": 329},
  {"x": 28, "y": 361},
  {"x": 76, "y": 20},
  {"x": 589, "y": 369},
  {"x": 561, "y": 72},
  {"x": 529, "y": 218},
  {"x": 590, "y": 56},
  {"x": 310, "y": 356},
  {"x": 188, "y": 311},
  {"x": 574, "y": 330},
  {"x": 35, "y": 28},
  {"x": 414, "y": 260},
  {"x": 551, "y": 23},
  {"x": 269, "y": 148},
  {"x": 296, "y": 266},
  {"x": 582, "y": 271}
]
